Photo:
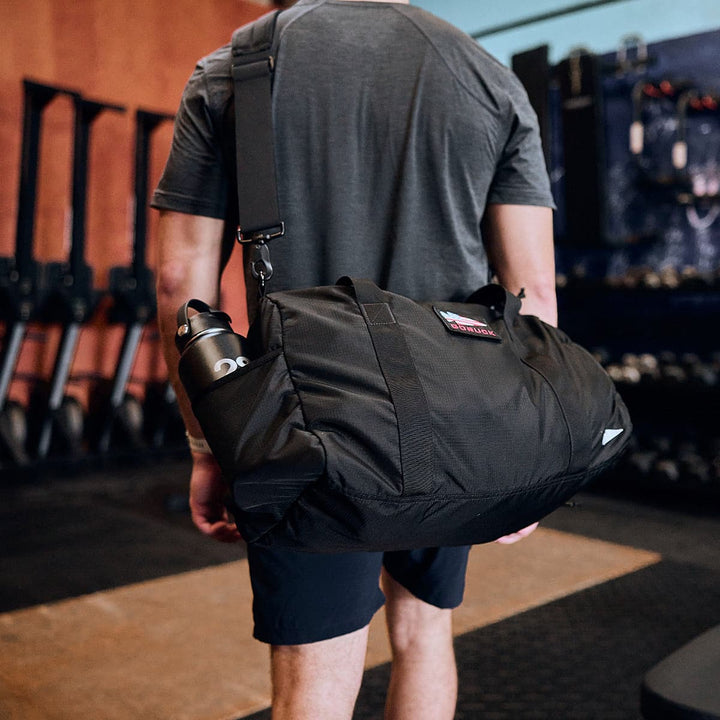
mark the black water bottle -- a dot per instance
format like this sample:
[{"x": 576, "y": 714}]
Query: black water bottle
[{"x": 209, "y": 349}]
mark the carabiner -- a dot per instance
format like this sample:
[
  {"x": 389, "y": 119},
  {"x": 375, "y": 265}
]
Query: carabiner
[{"x": 260, "y": 266}]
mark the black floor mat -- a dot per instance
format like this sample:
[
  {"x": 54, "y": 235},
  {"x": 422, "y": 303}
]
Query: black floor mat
[
  {"x": 77, "y": 535},
  {"x": 578, "y": 658}
]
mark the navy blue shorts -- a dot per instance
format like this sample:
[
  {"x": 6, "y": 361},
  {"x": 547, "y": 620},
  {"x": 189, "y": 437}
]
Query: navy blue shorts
[{"x": 303, "y": 597}]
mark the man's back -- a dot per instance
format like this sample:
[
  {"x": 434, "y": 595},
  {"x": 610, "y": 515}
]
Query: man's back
[{"x": 393, "y": 130}]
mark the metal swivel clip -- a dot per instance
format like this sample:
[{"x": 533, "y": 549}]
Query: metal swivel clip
[{"x": 260, "y": 266}]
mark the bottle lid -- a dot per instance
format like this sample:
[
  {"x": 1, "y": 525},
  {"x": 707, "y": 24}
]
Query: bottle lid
[{"x": 205, "y": 321}]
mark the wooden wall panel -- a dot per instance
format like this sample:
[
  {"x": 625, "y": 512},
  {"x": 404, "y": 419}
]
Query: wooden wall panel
[{"x": 136, "y": 53}]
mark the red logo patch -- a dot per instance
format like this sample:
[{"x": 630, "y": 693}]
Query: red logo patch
[{"x": 463, "y": 325}]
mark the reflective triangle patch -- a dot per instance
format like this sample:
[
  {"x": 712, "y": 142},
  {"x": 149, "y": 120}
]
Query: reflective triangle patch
[{"x": 611, "y": 434}]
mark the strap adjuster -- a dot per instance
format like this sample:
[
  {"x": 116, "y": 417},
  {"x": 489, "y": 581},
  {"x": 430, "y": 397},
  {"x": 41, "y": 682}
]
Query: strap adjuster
[{"x": 253, "y": 236}]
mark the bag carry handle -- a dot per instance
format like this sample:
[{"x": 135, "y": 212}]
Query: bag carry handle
[
  {"x": 406, "y": 391},
  {"x": 501, "y": 302}
]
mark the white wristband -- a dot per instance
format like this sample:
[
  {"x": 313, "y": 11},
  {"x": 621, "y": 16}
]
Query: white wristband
[{"x": 198, "y": 445}]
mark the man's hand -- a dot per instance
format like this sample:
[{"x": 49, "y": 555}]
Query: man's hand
[
  {"x": 519, "y": 535},
  {"x": 207, "y": 500}
]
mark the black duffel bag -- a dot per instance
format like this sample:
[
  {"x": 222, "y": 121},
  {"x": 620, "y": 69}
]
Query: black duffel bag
[{"x": 367, "y": 421}]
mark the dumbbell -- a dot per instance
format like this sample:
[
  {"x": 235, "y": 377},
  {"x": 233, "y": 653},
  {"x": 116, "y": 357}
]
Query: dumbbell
[
  {"x": 666, "y": 471},
  {"x": 669, "y": 278},
  {"x": 671, "y": 372},
  {"x": 601, "y": 355},
  {"x": 649, "y": 368},
  {"x": 714, "y": 455},
  {"x": 651, "y": 280},
  {"x": 694, "y": 468},
  {"x": 691, "y": 279},
  {"x": 640, "y": 462},
  {"x": 633, "y": 277},
  {"x": 633, "y": 369},
  {"x": 699, "y": 373}
]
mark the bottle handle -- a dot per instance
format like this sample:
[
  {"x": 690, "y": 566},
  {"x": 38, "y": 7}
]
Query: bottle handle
[
  {"x": 182, "y": 313},
  {"x": 185, "y": 322}
]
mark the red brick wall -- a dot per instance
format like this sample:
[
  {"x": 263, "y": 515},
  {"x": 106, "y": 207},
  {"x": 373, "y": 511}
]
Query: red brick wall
[{"x": 136, "y": 53}]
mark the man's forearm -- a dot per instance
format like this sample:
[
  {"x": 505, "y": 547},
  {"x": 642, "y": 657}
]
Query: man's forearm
[
  {"x": 540, "y": 300},
  {"x": 168, "y": 304},
  {"x": 188, "y": 267},
  {"x": 519, "y": 243}
]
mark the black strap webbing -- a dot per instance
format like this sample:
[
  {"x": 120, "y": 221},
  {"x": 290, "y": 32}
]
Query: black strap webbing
[
  {"x": 252, "y": 70},
  {"x": 406, "y": 391}
]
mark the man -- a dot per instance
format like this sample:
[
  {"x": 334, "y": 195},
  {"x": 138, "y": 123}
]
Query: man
[{"x": 397, "y": 139}]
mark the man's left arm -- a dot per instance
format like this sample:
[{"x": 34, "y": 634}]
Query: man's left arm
[{"x": 188, "y": 266}]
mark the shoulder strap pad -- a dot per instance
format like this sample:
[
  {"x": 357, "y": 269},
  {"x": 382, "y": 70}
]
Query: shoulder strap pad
[{"x": 254, "y": 38}]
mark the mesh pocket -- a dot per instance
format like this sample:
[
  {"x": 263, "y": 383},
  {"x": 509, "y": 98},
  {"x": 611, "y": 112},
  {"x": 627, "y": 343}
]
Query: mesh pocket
[{"x": 254, "y": 423}]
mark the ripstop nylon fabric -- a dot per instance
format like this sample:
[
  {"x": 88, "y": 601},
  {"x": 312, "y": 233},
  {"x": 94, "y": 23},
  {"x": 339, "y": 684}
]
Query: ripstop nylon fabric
[{"x": 310, "y": 436}]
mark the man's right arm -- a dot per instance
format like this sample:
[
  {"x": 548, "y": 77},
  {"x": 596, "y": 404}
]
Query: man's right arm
[{"x": 519, "y": 244}]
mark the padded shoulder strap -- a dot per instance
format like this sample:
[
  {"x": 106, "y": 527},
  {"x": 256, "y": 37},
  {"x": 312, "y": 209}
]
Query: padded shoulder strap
[{"x": 252, "y": 70}]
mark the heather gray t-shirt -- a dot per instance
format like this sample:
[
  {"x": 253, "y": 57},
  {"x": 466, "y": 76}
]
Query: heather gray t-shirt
[{"x": 393, "y": 132}]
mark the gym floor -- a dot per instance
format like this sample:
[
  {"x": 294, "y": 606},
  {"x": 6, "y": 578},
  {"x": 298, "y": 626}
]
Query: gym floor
[{"x": 113, "y": 606}]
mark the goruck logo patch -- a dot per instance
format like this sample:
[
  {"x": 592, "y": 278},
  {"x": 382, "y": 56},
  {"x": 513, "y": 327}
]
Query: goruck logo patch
[{"x": 462, "y": 325}]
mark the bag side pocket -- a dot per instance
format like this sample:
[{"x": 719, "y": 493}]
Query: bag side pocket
[{"x": 254, "y": 424}]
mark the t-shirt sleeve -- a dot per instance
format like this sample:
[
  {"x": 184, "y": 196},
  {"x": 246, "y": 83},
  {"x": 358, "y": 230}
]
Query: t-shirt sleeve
[
  {"x": 521, "y": 176},
  {"x": 194, "y": 180}
]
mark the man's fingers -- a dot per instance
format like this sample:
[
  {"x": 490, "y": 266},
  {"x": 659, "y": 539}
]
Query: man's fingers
[
  {"x": 222, "y": 530},
  {"x": 519, "y": 535},
  {"x": 208, "y": 493}
]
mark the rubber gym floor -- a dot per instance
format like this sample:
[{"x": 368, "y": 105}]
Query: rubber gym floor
[{"x": 113, "y": 607}]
